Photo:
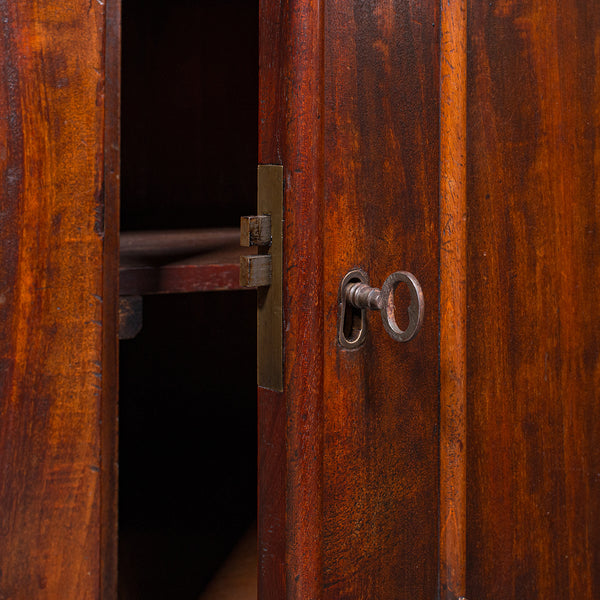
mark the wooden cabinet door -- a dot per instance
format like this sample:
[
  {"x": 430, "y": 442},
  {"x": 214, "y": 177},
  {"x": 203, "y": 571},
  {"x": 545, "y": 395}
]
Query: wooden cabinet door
[
  {"x": 455, "y": 140},
  {"x": 58, "y": 267},
  {"x": 465, "y": 462},
  {"x": 533, "y": 456},
  {"x": 349, "y": 452}
]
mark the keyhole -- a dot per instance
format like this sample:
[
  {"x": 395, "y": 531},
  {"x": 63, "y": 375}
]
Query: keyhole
[
  {"x": 352, "y": 327},
  {"x": 353, "y": 320}
]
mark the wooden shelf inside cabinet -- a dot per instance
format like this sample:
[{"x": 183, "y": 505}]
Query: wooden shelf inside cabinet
[{"x": 181, "y": 261}]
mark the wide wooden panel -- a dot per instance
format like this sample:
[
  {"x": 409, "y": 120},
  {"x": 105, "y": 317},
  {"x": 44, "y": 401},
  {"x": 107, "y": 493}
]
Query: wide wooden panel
[
  {"x": 381, "y": 120},
  {"x": 534, "y": 264},
  {"x": 51, "y": 298},
  {"x": 349, "y": 105}
]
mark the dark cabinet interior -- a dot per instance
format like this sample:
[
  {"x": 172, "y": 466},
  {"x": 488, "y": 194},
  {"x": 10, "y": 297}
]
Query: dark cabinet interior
[
  {"x": 189, "y": 113},
  {"x": 187, "y": 431}
]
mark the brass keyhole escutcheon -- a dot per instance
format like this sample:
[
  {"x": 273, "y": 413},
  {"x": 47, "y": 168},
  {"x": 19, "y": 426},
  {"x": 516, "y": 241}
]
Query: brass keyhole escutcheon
[{"x": 356, "y": 297}]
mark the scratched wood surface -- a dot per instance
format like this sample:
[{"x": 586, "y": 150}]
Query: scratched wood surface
[
  {"x": 381, "y": 122},
  {"x": 290, "y": 423},
  {"x": 453, "y": 298},
  {"x": 349, "y": 105},
  {"x": 534, "y": 262},
  {"x": 51, "y": 299}
]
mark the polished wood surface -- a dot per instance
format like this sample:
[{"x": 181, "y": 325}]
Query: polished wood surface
[
  {"x": 381, "y": 403},
  {"x": 533, "y": 266},
  {"x": 53, "y": 301},
  {"x": 271, "y": 493},
  {"x": 479, "y": 176},
  {"x": 290, "y": 133},
  {"x": 365, "y": 526},
  {"x": 272, "y": 409},
  {"x": 453, "y": 298}
]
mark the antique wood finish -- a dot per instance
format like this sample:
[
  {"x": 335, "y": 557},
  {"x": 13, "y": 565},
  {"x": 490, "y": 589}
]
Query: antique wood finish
[
  {"x": 271, "y": 494},
  {"x": 164, "y": 245},
  {"x": 453, "y": 297},
  {"x": 534, "y": 340},
  {"x": 381, "y": 123},
  {"x": 272, "y": 410},
  {"x": 290, "y": 133},
  {"x": 110, "y": 304},
  {"x": 363, "y": 110},
  {"x": 53, "y": 389},
  {"x": 216, "y": 271}
]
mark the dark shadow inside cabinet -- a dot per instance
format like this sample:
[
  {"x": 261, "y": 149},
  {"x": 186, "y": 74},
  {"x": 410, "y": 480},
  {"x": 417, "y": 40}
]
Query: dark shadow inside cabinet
[{"x": 187, "y": 400}]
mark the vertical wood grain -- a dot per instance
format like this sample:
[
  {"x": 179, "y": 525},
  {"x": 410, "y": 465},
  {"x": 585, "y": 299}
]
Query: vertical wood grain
[
  {"x": 272, "y": 411},
  {"x": 453, "y": 297},
  {"x": 534, "y": 263},
  {"x": 110, "y": 319},
  {"x": 303, "y": 295},
  {"x": 290, "y": 133},
  {"x": 51, "y": 297},
  {"x": 361, "y": 174},
  {"x": 381, "y": 213},
  {"x": 271, "y": 494}
]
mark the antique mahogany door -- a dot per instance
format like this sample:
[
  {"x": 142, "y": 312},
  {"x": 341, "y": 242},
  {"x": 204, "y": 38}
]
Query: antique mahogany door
[{"x": 455, "y": 140}]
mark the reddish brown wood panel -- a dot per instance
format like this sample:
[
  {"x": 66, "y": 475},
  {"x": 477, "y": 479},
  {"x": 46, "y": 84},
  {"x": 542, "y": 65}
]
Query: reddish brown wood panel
[
  {"x": 272, "y": 410},
  {"x": 534, "y": 263},
  {"x": 349, "y": 93},
  {"x": 290, "y": 127},
  {"x": 51, "y": 298},
  {"x": 271, "y": 494},
  {"x": 220, "y": 274},
  {"x": 453, "y": 298},
  {"x": 381, "y": 408}
]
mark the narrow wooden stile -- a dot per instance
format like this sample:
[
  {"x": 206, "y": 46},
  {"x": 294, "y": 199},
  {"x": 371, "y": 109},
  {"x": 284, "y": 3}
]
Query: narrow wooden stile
[
  {"x": 303, "y": 290},
  {"x": 290, "y": 422},
  {"x": 110, "y": 269},
  {"x": 453, "y": 298}
]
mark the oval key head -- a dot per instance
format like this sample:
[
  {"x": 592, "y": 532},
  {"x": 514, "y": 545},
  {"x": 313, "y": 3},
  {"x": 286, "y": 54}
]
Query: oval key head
[{"x": 416, "y": 308}]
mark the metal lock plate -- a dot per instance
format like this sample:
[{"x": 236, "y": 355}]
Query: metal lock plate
[
  {"x": 270, "y": 299},
  {"x": 264, "y": 271}
]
